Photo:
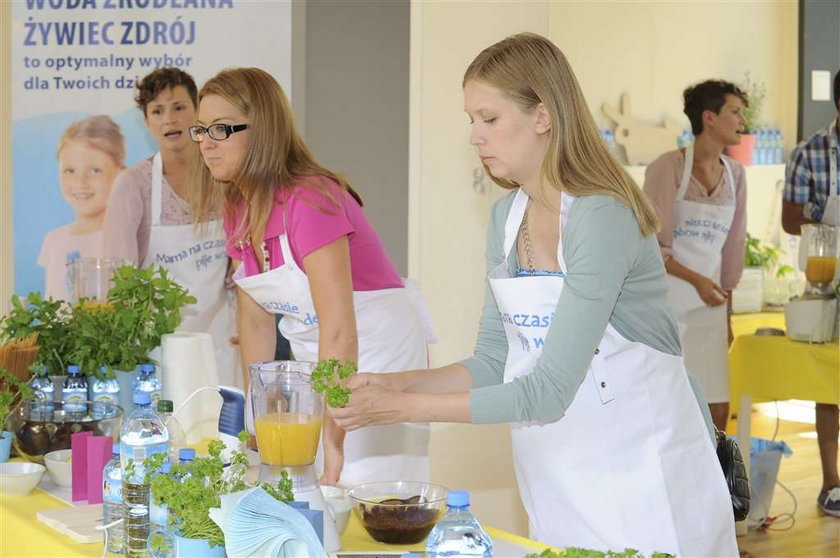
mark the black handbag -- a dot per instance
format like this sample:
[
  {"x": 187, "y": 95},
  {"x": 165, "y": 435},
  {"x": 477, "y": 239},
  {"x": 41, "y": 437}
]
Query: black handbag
[{"x": 736, "y": 475}]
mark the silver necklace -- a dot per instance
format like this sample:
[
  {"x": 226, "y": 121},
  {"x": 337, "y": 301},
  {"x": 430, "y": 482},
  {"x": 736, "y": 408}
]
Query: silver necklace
[{"x": 526, "y": 239}]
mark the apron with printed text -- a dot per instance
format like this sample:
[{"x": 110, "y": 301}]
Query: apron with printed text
[
  {"x": 196, "y": 258},
  {"x": 391, "y": 338},
  {"x": 630, "y": 463},
  {"x": 700, "y": 231}
]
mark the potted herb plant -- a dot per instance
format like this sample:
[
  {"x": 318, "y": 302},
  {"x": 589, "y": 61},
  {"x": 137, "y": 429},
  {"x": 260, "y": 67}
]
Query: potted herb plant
[
  {"x": 760, "y": 261},
  {"x": 143, "y": 305},
  {"x": 12, "y": 389},
  {"x": 191, "y": 490},
  {"x": 756, "y": 92}
]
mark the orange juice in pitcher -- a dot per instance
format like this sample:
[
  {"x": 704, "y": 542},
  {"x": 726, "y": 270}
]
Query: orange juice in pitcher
[
  {"x": 820, "y": 269},
  {"x": 288, "y": 439}
]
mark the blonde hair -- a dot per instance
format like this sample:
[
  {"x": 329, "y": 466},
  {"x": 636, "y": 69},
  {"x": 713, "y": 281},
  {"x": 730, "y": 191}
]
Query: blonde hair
[
  {"x": 529, "y": 69},
  {"x": 100, "y": 132},
  {"x": 276, "y": 156}
]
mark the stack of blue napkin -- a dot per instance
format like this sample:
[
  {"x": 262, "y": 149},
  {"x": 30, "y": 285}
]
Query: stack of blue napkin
[{"x": 255, "y": 524}]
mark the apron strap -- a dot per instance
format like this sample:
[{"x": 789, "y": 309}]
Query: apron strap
[
  {"x": 686, "y": 175},
  {"x": 157, "y": 187},
  {"x": 285, "y": 249},
  {"x": 832, "y": 160}
]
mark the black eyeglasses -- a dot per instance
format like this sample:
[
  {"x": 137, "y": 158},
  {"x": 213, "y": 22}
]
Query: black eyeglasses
[{"x": 217, "y": 132}]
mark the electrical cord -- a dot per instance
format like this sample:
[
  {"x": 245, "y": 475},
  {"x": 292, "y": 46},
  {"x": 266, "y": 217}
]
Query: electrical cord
[
  {"x": 766, "y": 522},
  {"x": 105, "y": 528}
]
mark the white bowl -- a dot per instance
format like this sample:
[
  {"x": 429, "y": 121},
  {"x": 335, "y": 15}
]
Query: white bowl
[
  {"x": 59, "y": 467},
  {"x": 340, "y": 506},
  {"x": 18, "y": 479}
]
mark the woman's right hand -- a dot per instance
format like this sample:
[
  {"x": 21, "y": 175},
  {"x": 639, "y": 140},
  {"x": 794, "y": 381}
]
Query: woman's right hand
[{"x": 710, "y": 292}]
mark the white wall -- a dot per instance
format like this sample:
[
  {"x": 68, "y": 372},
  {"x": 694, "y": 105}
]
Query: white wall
[{"x": 654, "y": 50}]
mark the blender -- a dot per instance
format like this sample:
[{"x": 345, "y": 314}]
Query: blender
[
  {"x": 287, "y": 420},
  {"x": 813, "y": 316}
]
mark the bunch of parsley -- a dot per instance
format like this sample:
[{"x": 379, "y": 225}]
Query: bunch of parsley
[
  {"x": 327, "y": 378},
  {"x": 573, "y": 552},
  {"x": 190, "y": 490}
]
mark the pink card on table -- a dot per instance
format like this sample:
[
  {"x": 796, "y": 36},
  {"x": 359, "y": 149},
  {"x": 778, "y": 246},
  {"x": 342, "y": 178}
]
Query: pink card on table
[
  {"x": 98, "y": 455},
  {"x": 78, "y": 455}
]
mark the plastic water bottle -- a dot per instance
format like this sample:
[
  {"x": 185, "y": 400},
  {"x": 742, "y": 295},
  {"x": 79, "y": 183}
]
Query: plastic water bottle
[
  {"x": 458, "y": 533},
  {"x": 186, "y": 456},
  {"x": 143, "y": 435},
  {"x": 148, "y": 382},
  {"x": 74, "y": 394},
  {"x": 159, "y": 513},
  {"x": 177, "y": 438},
  {"x": 43, "y": 405},
  {"x": 105, "y": 390},
  {"x": 112, "y": 503},
  {"x": 780, "y": 147}
]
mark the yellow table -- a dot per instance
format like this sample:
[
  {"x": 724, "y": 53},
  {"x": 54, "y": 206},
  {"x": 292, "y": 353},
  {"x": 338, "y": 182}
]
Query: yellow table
[
  {"x": 22, "y": 535},
  {"x": 771, "y": 368}
]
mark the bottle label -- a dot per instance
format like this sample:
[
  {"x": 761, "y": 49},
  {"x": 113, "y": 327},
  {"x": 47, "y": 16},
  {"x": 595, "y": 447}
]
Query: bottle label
[
  {"x": 74, "y": 401},
  {"x": 106, "y": 398},
  {"x": 158, "y": 514},
  {"x": 112, "y": 490},
  {"x": 139, "y": 453}
]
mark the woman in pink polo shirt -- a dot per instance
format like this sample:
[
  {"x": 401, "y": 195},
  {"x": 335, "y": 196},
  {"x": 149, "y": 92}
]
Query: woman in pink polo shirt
[{"x": 305, "y": 249}]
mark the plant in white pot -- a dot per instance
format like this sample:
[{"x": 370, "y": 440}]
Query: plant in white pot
[
  {"x": 12, "y": 391},
  {"x": 760, "y": 259}
]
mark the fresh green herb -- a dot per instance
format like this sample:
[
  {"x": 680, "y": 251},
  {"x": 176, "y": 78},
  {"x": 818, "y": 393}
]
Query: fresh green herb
[
  {"x": 573, "y": 552},
  {"x": 756, "y": 92},
  {"x": 142, "y": 306},
  {"x": 765, "y": 256},
  {"x": 48, "y": 319},
  {"x": 11, "y": 389},
  {"x": 327, "y": 379},
  {"x": 191, "y": 490}
]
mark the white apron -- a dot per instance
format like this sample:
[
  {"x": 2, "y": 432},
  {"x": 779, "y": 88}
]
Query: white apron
[
  {"x": 198, "y": 262},
  {"x": 700, "y": 231},
  {"x": 831, "y": 215},
  {"x": 391, "y": 339},
  {"x": 630, "y": 463}
]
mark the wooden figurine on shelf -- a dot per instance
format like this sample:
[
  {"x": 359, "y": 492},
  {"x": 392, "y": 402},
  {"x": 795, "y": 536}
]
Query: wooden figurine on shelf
[{"x": 642, "y": 143}]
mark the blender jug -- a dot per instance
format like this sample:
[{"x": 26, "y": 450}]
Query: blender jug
[
  {"x": 818, "y": 254},
  {"x": 92, "y": 277},
  {"x": 287, "y": 420}
]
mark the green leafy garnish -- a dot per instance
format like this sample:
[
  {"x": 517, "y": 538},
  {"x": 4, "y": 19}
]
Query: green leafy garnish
[
  {"x": 191, "y": 490},
  {"x": 327, "y": 379}
]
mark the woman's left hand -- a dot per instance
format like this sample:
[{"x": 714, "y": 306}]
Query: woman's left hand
[{"x": 372, "y": 405}]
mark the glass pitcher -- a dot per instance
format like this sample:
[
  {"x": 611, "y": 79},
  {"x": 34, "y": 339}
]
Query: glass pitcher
[
  {"x": 92, "y": 277},
  {"x": 287, "y": 412},
  {"x": 819, "y": 250}
]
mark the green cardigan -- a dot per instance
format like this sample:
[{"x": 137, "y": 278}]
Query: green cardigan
[{"x": 613, "y": 275}]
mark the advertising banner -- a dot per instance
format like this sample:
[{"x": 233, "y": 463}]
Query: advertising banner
[{"x": 77, "y": 59}]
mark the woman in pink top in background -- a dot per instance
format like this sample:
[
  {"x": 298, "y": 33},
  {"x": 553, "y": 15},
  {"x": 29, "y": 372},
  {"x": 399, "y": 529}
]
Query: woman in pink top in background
[
  {"x": 701, "y": 198},
  {"x": 304, "y": 249}
]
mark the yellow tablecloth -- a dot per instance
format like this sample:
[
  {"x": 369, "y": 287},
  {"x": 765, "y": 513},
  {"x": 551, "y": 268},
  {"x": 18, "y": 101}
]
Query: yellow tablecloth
[
  {"x": 22, "y": 535},
  {"x": 775, "y": 367}
]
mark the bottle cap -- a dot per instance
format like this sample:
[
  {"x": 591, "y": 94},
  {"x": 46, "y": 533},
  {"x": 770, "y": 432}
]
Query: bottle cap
[
  {"x": 186, "y": 454},
  {"x": 458, "y": 498},
  {"x": 115, "y": 449},
  {"x": 148, "y": 367},
  {"x": 73, "y": 369},
  {"x": 142, "y": 398},
  {"x": 164, "y": 406}
]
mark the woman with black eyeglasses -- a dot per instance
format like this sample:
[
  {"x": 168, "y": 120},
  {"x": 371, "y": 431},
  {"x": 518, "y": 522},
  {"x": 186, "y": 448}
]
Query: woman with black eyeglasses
[
  {"x": 149, "y": 219},
  {"x": 304, "y": 249}
]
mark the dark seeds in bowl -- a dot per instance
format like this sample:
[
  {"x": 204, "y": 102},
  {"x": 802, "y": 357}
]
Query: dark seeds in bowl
[{"x": 395, "y": 524}]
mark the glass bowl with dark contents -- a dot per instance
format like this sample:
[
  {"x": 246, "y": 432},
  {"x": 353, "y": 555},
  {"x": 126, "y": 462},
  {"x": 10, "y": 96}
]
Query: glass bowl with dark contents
[
  {"x": 40, "y": 428},
  {"x": 398, "y": 512}
]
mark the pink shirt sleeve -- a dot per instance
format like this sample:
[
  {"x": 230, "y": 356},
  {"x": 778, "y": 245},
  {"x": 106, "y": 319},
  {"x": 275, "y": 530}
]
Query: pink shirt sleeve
[
  {"x": 662, "y": 180},
  {"x": 732, "y": 264}
]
